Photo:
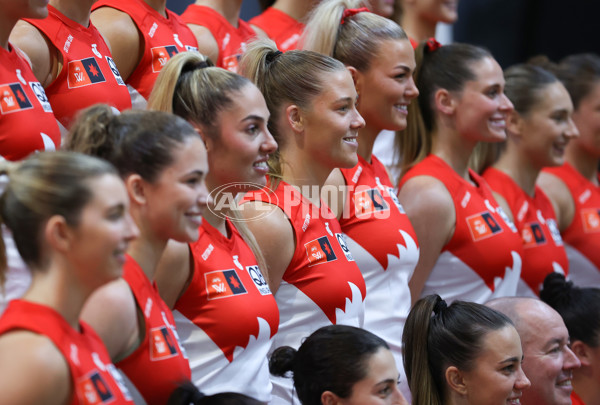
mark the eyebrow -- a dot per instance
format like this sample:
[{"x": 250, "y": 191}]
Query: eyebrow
[
  {"x": 253, "y": 117},
  {"x": 510, "y": 360},
  {"x": 558, "y": 341}
]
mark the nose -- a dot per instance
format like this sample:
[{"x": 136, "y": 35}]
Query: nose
[
  {"x": 131, "y": 229},
  {"x": 358, "y": 121},
  {"x": 411, "y": 89},
  {"x": 522, "y": 381},
  {"x": 398, "y": 398},
  {"x": 570, "y": 360},
  {"x": 572, "y": 131},
  {"x": 269, "y": 144},
  {"x": 505, "y": 104},
  {"x": 204, "y": 197}
]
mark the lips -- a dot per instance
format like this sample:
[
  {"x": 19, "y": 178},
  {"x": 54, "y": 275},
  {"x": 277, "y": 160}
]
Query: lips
[{"x": 402, "y": 108}]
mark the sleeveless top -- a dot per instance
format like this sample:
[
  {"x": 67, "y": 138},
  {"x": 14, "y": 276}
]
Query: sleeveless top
[
  {"x": 582, "y": 236},
  {"x": 284, "y": 30},
  {"x": 27, "y": 123},
  {"x": 543, "y": 249},
  {"x": 483, "y": 258},
  {"x": 231, "y": 40},
  {"x": 89, "y": 74},
  {"x": 159, "y": 365},
  {"x": 227, "y": 316},
  {"x": 163, "y": 38},
  {"x": 94, "y": 378}
]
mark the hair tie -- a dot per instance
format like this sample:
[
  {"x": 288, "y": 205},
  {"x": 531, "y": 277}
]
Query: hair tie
[
  {"x": 190, "y": 67},
  {"x": 439, "y": 306},
  {"x": 432, "y": 44},
  {"x": 272, "y": 56},
  {"x": 349, "y": 12}
]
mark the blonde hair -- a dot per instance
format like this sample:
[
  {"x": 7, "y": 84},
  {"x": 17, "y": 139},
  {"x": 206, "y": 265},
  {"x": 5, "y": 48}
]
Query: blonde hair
[
  {"x": 44, "y": 185},
  {"x": 356, "y": 42}
]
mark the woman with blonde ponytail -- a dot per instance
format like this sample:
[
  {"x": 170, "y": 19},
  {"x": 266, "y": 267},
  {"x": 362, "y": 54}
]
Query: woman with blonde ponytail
[
  {"x": 69, "y": 217},
  {"x": 383, "y": 242},
  {"x": 221, "y": 274},
  {"x": 310, "y": 269}
]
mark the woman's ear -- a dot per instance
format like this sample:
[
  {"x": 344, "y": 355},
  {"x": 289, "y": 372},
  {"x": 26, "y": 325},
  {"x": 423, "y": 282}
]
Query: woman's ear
[
  {"x": 456, "y": 380},
  {"x": 356, "y": 77},
  {"x": 294, "y": 118},
  {"x": 514, "y": 124},
  {"x": 58, "y": 234},
  {"x": 583, "y": 352},
  {"x": 135, "y": 188},
  {"x": 329, "y": 398},
  {"x": 445, "y": 102},
  {"x": 202, "y": 134}
]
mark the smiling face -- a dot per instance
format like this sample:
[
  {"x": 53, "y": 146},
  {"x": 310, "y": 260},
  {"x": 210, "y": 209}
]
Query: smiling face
[
  {"x": 240, "y": 151},
  {"x": 481, "y": 108},
  {"x": 549, "y": 362},
  {"x": 331, "y": 123},
  {"x": 587, "y": 119},
  {"x": 445, "y": 11},
  {"x": 387, "y": 87},
  {"x": 380, "y": 385},
  {"x": 497, "y": 377},
  {"x": 547, "y": 128},
  {"x": 178, "y": 197}
]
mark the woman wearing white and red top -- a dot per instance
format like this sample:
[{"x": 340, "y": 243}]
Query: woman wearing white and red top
[
  {"x": 71, "y": 60},
  {"x": 470, "y": 250},
  {"x": 163, "y": 162},
  {"x": 382, "y": 240},
  {"x": 316, "y": 282},
  {"x": 574, "y": 188},
  {"x": 68, "y": 214},
  {"x": 224, "y": 310},
  {"x": 538, "y": 130}
]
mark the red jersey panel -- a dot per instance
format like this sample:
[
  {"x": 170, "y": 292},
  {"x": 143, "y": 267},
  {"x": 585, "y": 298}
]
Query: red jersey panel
[
  {"x": 27, "y": 123},
  {"x": 227, "y": 316},
  {"x": 582, "y": 236},
  {"x": 159, "y": 365},
  {"x": 231, "y": 40},
  {"x": 95, "y": 379},
  {"x": 483, "y": 258},
  {"x": 280, "y": 27},
  {"x": 322, "y": 284},
  {"x": 163, "y": 38},
  {"x": 543, "y": 248},
  {"x": 89, "y": 74},
  {"x": 384, "y": 245}
]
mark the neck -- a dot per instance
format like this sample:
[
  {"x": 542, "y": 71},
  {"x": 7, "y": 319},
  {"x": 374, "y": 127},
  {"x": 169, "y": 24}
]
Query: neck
[
  {"x": 159, "y": 5},
  {"x": 416, "y": 27},
  {"x": 449, "y": 146},
  {"x": 298, "y": 10},
  {"x": 518, "y": 167},
  {"x": 227, "y": 8},
  {"x": 305, "y": 174},
  {"x": 78, "y": 11},
  {"x": 583, "y": 162},
  {"x": 6, "y": 25},
  {"x": 147, "y": 253},
  {"x": 366, "y": 140}
]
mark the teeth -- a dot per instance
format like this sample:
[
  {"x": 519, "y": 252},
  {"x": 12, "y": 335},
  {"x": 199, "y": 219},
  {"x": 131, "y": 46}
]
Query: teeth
[
  {"x": 261, "y": 164},
  {"x": 402, "y": 107}
]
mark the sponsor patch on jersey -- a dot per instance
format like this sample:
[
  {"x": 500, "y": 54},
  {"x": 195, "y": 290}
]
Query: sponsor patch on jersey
[
  {"x": 115, "y": 72},
  {"x": 591, "y": 219},
  {"x": 161, "y": 55},
  {"x": 92, "y": 389},
  {"x": 532, "y": 235},
  {"x": 13, "y": 98},
  {"x": 231, "y": 63},
  {"x": 369, "y": 201},
  {"x": 341, "y": 238},
  {"x": 483, "y": 226},
  {"x": 259, "y": 280},
  {"x": 319, "y": 251},
  {"x": 84, "y": 72},
  {"x": 162, "y": 344},
  {"x": 39, "y": 92},
  {"x": 554, "y": 232},
  {"x": 223, "y": 284}
]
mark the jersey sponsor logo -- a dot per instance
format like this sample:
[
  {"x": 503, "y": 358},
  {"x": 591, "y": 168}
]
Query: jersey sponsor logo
[
  {"x": 39, "y": 92},
  {"x": 483, "y": 226},
  {"x": 319, "y": 251},
  {"x": 92, "y": 389},
  {"x": 113, "y": 68},
  {"x": 532, "y": 235},
  {"x": 223, "y": 284},
  {"x": 162, "y": 344},
  {"x": 190, "y": 48},
  {"x": 259, "y": 280},
  {"x": 367, "y": 202},
  {"x": 554, "y": 232},
  {"x": 341, "y": 238},
  {"x": 394, "y": 197},
  {"x": 591, "y": 220},
  {"x": 13, "y": 98},
  {"x": 84, "y": 72},
  {"x": 161, "y": 55},
  {"x": 231, "y": 63}
]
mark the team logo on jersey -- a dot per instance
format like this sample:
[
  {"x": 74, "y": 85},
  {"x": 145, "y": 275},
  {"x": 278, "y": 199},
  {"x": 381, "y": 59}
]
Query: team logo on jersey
[
  {"x": 394, "y": 197},
  {"x": 483, "y": 225},
  {"x": 591, "y": 219},
  {"x": 532, "y": 235},
  {"x": 13, "y": 98},
  {"x": 223, "y": 284},
  {"x": 554, "y": 232},
  {"x": 113, "y": 68},
  {"x": 342, "y": 241},
  {"x": 367, "y": 202},
  {"x": 39, "y": 92},
  {"x": 231, "y": 63},
  {"x": 319, "y": 251},
  {"x": 92, "y": 389},
  {"x": 84, "y": 72},
  {"x": 161, "y": 55},
  {"x": 162, "y": 344},
  {"x": 259, "y": 280}
]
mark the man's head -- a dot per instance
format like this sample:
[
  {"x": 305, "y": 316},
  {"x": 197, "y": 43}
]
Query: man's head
[{"x": 548, "y": 360}]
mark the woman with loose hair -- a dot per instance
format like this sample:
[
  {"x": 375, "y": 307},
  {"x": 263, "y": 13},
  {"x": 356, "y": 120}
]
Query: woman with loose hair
[{"x": 69, "y": 217}]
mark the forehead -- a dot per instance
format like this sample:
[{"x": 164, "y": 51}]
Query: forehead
[
  {"x": 247, "y": 100},
  {"x": 553, "y": 96},
  {"x": 107, "y": 190},
  {"x": 336, "y": 85},
  {"x": 394, "y": 52},
  {"x": 487, "y": 73},
  {"x": 500, "y": 345},
  {"x": 542, "y": 327}
]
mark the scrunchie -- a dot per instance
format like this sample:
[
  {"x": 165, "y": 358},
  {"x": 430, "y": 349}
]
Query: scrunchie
[{"x": 349, "y": 12}]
